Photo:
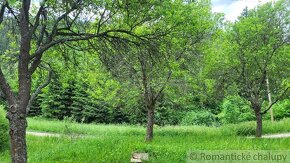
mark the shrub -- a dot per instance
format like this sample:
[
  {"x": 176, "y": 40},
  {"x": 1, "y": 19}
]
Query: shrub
[
  {"x": 236, "y": 109},
  {"x": 202, "y": 117},
  {"x": 3, "y": 130}
]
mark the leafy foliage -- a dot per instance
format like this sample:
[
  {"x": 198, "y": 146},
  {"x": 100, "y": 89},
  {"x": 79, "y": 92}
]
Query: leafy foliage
[
  {"x": 236, "y": 109},
  {"x": 202, "y": 117}
]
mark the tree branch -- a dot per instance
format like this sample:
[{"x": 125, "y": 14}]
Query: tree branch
[
  {"x": 13, "y": 13},
  {"x": 100, "y": 21},
  {"x": 6, "y": 89},
  {"x": 54, "y": 28},
  {"x": 38, "y": 90},
  {"x": 164, "y": 85},
  {"x": 38, "y": 54},
  {"x": 37, "y": 17},
  {"x": 285, "y": 91}
]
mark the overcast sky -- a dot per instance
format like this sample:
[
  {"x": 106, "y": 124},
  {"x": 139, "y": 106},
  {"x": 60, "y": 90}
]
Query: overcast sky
[{"x": 233, "y": 8}]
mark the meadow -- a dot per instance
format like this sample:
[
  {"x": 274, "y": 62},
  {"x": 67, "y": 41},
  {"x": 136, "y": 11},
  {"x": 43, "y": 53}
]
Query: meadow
[{"x": 116, "y": 143}]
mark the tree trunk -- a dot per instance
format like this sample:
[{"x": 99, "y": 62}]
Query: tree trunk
[
  {"x": 256, "y": 106},
  {"x": 270, "y": 99},
  {"x": 259, "y": 123},
  {"x": 17, "y": 131},
  {"x": 150, "y": 123}
]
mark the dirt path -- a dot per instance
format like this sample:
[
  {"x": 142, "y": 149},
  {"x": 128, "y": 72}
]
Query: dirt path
[
  {"x": 281, "y": 135},
  {"x": 49, "y": 134},
  {"x": 274, "y": 136}
]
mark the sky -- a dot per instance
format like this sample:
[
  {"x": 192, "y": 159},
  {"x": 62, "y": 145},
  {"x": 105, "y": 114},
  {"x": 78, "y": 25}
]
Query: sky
[{"x": 233, "y": 8}]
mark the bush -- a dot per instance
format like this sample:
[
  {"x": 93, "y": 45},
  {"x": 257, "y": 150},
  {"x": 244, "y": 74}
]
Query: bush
[
  {"x": 202, "y": 117},
  {"x": 235, "y": 110},
  {"x": 4, "y": 139}
]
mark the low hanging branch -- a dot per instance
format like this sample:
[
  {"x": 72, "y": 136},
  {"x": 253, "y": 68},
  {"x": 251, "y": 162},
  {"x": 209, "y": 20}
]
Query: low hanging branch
[
  {"x": 285, "y": 91},
  {"x": 38, "y": 90}
]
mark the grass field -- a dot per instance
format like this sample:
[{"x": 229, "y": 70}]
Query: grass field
[{"x": 116, "y": 143}]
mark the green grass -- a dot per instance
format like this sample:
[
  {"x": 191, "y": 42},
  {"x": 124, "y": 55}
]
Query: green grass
[
  {"x": 116, "y": 143},
  {"x": 249, "y": 128}
]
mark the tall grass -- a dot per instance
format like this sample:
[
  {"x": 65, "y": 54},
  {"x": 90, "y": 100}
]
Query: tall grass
[
  {"x": 67, "y": 127},
  {"x": 116, "y": 143},
  {"x": 249, "y": 128}
]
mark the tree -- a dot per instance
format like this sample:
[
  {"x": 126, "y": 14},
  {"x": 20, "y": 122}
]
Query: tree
[
  {"x": 253, "y": 49},
  {"x": 149, "y": 64},
  {"x": 148, "y": 75},
  {"x": 55, "y": 23}
]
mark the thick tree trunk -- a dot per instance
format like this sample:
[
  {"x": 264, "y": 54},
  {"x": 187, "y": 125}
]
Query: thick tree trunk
[
  {"x": 256, "y": 106},
  {"x": 150, "y": 123},
  {"x": 259, "y": 123},
  {"x": 17, "y": 131}
]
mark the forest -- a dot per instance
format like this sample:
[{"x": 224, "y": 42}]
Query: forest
[{"x": 151, "y": 65}]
